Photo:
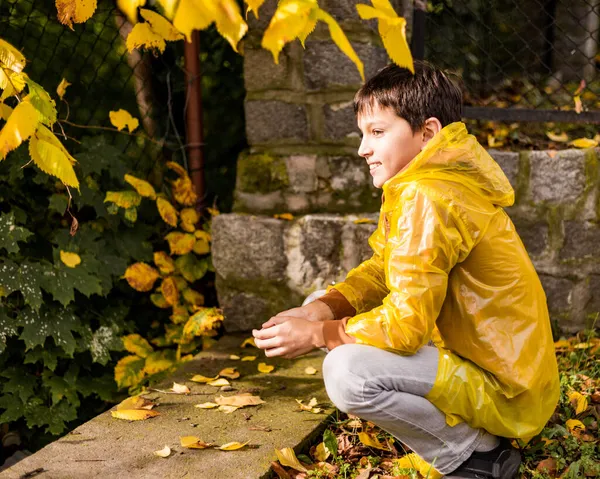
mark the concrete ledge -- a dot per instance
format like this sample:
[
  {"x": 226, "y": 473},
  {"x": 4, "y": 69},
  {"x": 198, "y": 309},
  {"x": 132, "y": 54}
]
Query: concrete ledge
[{"x": 112, "y": 448}]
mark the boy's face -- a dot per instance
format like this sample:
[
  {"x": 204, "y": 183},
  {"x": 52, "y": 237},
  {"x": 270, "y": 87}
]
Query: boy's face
[{"x": 388, "y": 143}]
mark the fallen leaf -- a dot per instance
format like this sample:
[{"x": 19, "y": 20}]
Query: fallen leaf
[
  {"x": 287, "y": 457},
  {"x": 193, "y": 442},
  {"x": 310, "y": 407},
  {"x": 219, "y": 382},
  {"x": 583, "y": 345},
  {"x": 574, "y": 425},
  {"x": 562, "y": 344},
  {"x": 321, "y": 452},
  {"x": 232, "y": 446},
  {"x": 578, "y": 104},
  {"x": 583, "y": 143},
  {"x": 248, "y": 342},
  {"x": 239, "y": 400},
  {"x": 228, "y": 409},
  {"x": 547, "y": 466},
  {"x": 284, "y": 216},
  {"x": 371, "y": 441},
  {"x": 133, "y": 414},
  {"x": 364, "y": 221},
  {"x": 234, "y": 357},
  {"x": 248, "y": 358},
  {"x": 578, "y": 401},
  {"x": 207, "y": 405},
  {"x": 230, "y": 373},
  {"x": 596, "y": 397},
  {"x": 557, "y": 137},
  {"x": 310, "y": 370},
  {"x": 265, "y": 368},
  {"x": 164, "y": 452},
  {"x": 198, "y": 378},
  {"x": 354, "y": 423},
  {"x": 180, "y": 389},
  {"x": 136, "y": 402},
  {"x": 280, "y": 471}
]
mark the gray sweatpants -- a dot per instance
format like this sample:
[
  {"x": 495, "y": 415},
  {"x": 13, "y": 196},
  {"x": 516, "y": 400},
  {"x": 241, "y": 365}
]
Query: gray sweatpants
[{"x": 388, "y": 390}]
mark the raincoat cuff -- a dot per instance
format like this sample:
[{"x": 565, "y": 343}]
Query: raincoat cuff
[
  {"x": 339, "y": 305},
  {"x": 334, "y": 333}
]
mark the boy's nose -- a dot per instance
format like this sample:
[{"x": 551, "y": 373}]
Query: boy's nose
[{"x": 364, "y": 150}]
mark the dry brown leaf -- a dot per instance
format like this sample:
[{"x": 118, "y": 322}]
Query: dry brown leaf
[
  {"x": 232, "y": 446},
  {"x": 249, "y": 358},
  {"x": 133, "y": 414},
  {"x": 135, "y": 402},
  {"x": 180, "y": 389},
  {"x": 287, "y": 457},
  {"x": 310, "y": 407},
  {"x": 198, "y": 378},
  {"x": 265, "y": 368},
  {"x": 280, "y": 471},
  {"x": 547, "y": 466},
  {"x": 239, "y": 400},
  {"x": 228, "y": 409},
  {"x": 164, "y": 452},
  {"x": 219, "y": 382},
  {"x": 206, "y": 405},
  {"x": 193, "y": 442},
  {"x": 230, "y": 373},
  {"x": 310, "y": 370}
]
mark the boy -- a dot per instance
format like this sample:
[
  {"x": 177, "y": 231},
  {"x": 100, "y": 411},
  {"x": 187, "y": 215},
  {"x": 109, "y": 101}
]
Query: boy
[{"x": 442, "y": 337}]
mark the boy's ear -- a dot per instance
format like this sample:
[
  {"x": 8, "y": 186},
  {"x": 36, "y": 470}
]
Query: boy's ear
[{"x": 430, "y": 129}]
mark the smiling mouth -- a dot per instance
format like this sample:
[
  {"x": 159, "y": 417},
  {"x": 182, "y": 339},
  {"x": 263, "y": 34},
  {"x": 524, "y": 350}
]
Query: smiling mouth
[{"x": 373, "y": 167}]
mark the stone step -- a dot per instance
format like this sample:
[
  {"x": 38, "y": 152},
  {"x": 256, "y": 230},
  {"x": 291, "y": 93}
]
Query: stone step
[{"x": 111, "y": 448}]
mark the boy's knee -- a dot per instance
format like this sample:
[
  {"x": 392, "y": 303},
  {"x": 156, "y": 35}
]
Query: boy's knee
[{"x": 344, "y": 386}]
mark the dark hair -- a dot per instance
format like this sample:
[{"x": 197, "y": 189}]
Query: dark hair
[{"x": 429, "y": 92}]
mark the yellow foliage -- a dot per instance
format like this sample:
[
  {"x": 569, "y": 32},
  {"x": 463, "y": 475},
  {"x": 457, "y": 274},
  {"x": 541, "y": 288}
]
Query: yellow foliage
[
  {"x": 201, "y": 246},
  {"x": 52, "y": 157},
  {"x": 180, "y": 243},
  {"x": 164, "y": 262},
  {"x": 75, "y": 11},
  {"x": 575, "y": 425},
  {"x": 193, "y": 442},
  {"x": 164, "y": 452},
  {"x": 11, "y": 82},
  {"x": 137, "y": 345},
  {"x": 143, "y": 188},
  {"x": 167, "y": 211},
  {"x": 193, "y": 297},
  {"x": 134, "y": 414},
  {"x": 265, "y": 368},
  {"x": 70, "y": 259},
  {"x": 231, "y": 373},
  {"x": 180, "y": 314},
  {"x": 141, "y": 276},
  {"x": 202, "y": 321},
  {"x": 129, "y": 371},
  {"x": 198, "y": 378},
  {"x": 11, "y": 59},
  {"x": 371, "y": 441},
  {"x": 20, "y": 125},
  {"x": 579, "y": 143},
  {"x": 123, "y": 199},
  {"x": 232, "y": 446},
  {"x": 559, "y": 138},
  {"x": 392, "y": 30},
  {"x": 62, "y": 88},
  {"x": 159, "y": 301},
  {"x": 130, "y": 8},
  {"x": 157, "y": 362},
  {"x": 189, "y": 219},
  {"x": 142, "y": 36},
  {"x": 122, "y": 118},
  {"x": 169, "y": 290},
  {"x": 161, "y": 25},
  {"x": 287, "y": 457},
  {"x": 413, "y": 461},
  {"x": 253, "y": 6},
  {"x": 578, "y": 401},
  {"x": 136, "y": 402},
  {"x": 183, "y": 191}
]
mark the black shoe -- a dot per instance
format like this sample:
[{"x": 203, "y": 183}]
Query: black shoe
[{"x": 500, "y": 463}]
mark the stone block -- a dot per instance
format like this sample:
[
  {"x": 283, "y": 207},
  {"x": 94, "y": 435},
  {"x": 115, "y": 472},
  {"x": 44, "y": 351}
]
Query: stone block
[
  {"x": 261, "y": 174},
  {"x": 268, "y": 121},
  {"x": 243, "y": 311},
  {"x": 261, "y": 72},
  {"x": 593, "y": 305},
  {"x": 558, "y": 293},
  {"x": 581, "y": 240},
  {"x": 297, "y": 203},
  {"x": 509, "y": 162},
  {"x": 340, "y": 122},
  {"x": 348, "y": 173},
  {"x": 265, "y": 203},
  {"x": 248, "y": 247},
  {"x": 533, "y": 234},
  {"x": 325, "y": 66},
  {"x": 355, "y": 242},
  {"x": 301, "y": 171},
  {"x": 560, "y": 179}
]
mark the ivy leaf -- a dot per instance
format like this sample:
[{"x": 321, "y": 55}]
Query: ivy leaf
[
  {"x": 330, "y": 442},
  {"x": 47, "y": 354},
  {"x": 42, "y": 102},
  {"x": 19, "y": 382},
  {"x": 8, "y": 327},
  {"x": 14, "y": 409},
  {"x": 54, "y": 418},
  {"x": 11, "y": 233},
  {"x": 97, "y": 155},
  {"x": 59, "y": 389},
  {"x": 61, "y": 282},
  {"x": 25, "y": 278},
  {"x": 58, "y": 203},
  {"x": 55, "y": 322},
  {"x": 103, "y": 386}
]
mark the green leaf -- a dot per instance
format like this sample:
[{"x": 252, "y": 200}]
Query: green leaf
[
  {"x": 330, "y": 442},
  {"x": 19, "y": 382},
  {"x": 54, "y": 418},
  {"x": 11, "y": 233},
  {"x": 42, "y": 102},
  {"x": 104, "y": 340},
  {"x": 190, "y": 267},
  {"x": 55, "y": 322},
  {"x": 61, "y": 281},
  {"x": 8, "y": 327},
  {"x": 103, "y": 386},
  {"x": 48, "y": 355},
  {"x": 14, "y": 409},
  {"x": 58, "y": 203},
  {"x": 98, "y": 155},
  {"x": 25, "y": 278},
  {"x": 59, "y": 389}
]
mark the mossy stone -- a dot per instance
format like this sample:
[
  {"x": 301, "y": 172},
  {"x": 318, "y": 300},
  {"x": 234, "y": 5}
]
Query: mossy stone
[{"x": 261, "y": 173}]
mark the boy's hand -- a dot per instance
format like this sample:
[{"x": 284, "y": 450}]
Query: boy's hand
[
  {"x": 289, "y": 336},
  {"x": 315, "y": 311}
]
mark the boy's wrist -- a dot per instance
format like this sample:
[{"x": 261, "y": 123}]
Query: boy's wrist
[
  {"x": 318, "y": 311},
  {"x": 318, "y": 338}
]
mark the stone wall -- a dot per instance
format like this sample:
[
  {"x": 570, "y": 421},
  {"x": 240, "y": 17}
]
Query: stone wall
[{"x": 302, "y": 160}]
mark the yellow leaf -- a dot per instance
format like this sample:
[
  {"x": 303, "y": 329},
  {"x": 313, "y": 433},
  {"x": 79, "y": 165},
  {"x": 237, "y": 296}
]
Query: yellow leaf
[
  {"x": 198, "y": 378},
  {"x": 206, "y": 405},
  {"x": 75, "y": 11},
  {"x": 193, "y": 442},
  {"x": 123, "y": 199},
  {"x": 136, "y": 402},
  {"x": 180, "y": 243},
  {"x": 135, "y": 344},
  {"x": 164, "y": 262},
  {"x": 169, "y": 290},
  {"x": 201, "y": 322},
  {"x": 189, "y": 219},
  {"x": 182, "y": 188},
  {"x": 287, "y": 457},
  {"x": 134, "y": 414},
  {"x": 201, "y": 247},
  {"x": 310, "y": 407},
  {"x": 143, "y": 188},
  {"x": 142, "y": 36},
  {"x": 12, "y": 83},
  {"x": 321, "y": 452},
  {"x": 21, "y": 124},
  {"x": 231, "y": 373},
  {"x": 584, "y": 143},
  {"x": 70, "y": 259},
  {"x": 180, "y": 389},
  {"x": 265, "y": 368},
  {"x": 583, "y": 345},
  {"x": 11, "y": 58},
  {"x": 288, "y": 22},
  {"x": 161, "y": 25},
  {"x": 141, "y": 276},
  {"x": 392, "y": 30},
  {"x": 578, "y": 104},
  {"x": 575, "y": 424},
  {"x": 122, "y": 118},
  {"x": 130, "y": 8},
  {"x": 557, "y": 137},
  {"x": 51, "y": 156},
  {"x": 192, "y": 15},
  {"x": 228, "y": 409},
  {"x": 167, "y": 212},
  {"x": 371, "y": 441},
  {"x": 253, "y": 6},
  {"x": 193, "y": 297},
  {"x": 239, "y": 400},
  {"x": 164, "y": 452},
  {"x": 129, "y": 371},
  {"x": 232, "y": 446},
  {"x": 310, "y": 370},
  {"x": 159, "y": 361},
  {"x": 249, "y": 358},
  {"x": 364, "y": 221},
  {"x": 284, "y": 216},
  {"x": 578, "y": 401},
  {"x": 234, "y": 357},
  {"x": 413, "y": 461},
  {"x": 248, "y": 342},
  {"x": 218, "y": 382},
  {"x": 213, "y": 211},
  {"x": 62, "y": 88}
]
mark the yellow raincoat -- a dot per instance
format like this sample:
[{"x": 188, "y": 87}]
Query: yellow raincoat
[{"x": 448, "y": 266}]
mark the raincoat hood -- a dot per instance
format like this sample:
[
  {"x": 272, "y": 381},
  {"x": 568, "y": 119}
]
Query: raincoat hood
[{"x": 455, "y": 155}]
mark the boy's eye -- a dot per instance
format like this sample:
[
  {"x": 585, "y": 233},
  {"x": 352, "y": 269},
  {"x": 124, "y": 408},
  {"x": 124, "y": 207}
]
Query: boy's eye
[{"x": 377, "y": 132}]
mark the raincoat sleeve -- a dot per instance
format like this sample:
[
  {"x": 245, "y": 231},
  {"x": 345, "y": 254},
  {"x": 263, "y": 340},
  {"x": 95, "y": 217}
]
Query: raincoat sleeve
[
  {"x": 426, "y": 240},
  {"x": 364, "y": 287}
]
